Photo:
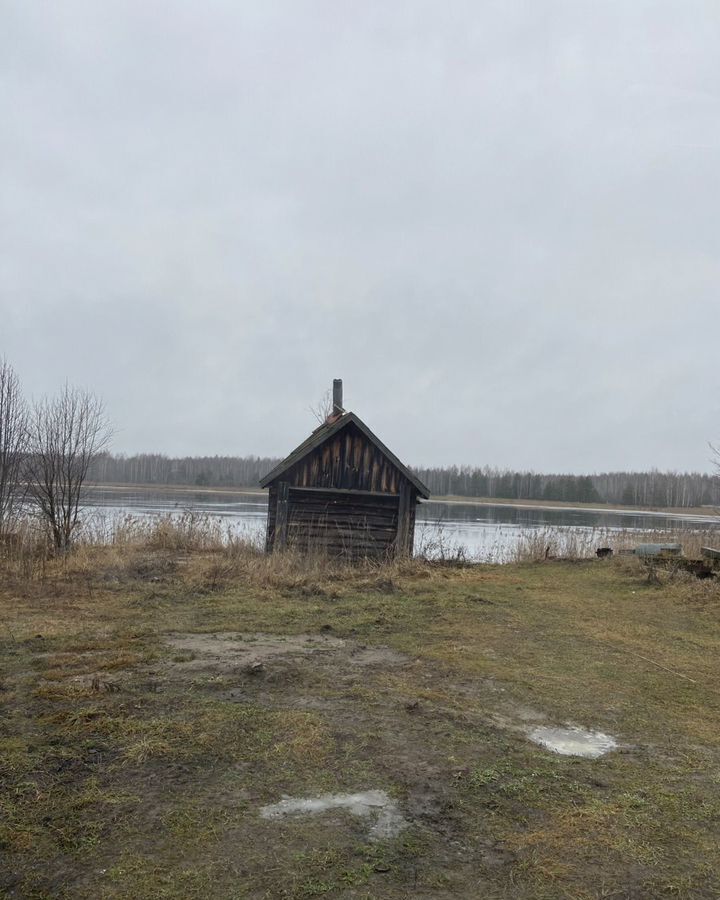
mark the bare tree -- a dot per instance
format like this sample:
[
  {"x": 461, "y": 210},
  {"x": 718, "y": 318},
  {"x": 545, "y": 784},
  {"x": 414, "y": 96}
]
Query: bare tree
[
  {"x": 323, "y": 408},
  {"x": 13, "y": 444},
  {"x": 66, "y": 433}
]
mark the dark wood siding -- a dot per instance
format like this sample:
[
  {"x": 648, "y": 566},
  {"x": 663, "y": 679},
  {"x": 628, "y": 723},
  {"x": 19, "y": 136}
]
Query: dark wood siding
[
  {"x": 272, "y": 510},
  {"x": 344, "y": 496},
  {"x": 351, "y": 525},
  {"x": 347, "y": 460}
]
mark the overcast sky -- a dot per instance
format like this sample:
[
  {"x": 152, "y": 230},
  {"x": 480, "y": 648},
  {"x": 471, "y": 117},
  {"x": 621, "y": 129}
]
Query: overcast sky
[{"x": 498, "y": 222}]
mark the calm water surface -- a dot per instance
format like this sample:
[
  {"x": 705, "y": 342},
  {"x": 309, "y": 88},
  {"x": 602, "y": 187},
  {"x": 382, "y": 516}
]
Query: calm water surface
[{"x": 486, "y": 532}]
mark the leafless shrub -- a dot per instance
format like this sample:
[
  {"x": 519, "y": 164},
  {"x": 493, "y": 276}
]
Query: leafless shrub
[
  {"x": 435, "y": 543},
  {"x": 323, "y": 408},
  {"x": 66, "y": 434},
  {"x": 13, "y": 445}
]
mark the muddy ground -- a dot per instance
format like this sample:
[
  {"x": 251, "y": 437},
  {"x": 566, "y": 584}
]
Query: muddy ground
[{"x": 147, "y": 727}]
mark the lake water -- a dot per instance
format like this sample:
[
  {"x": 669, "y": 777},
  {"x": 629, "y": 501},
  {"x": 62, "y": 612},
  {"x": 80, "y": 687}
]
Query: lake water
[{"x": 487, "y": 532}]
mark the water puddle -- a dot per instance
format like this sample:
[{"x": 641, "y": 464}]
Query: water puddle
[
  {"x": 387, "y": 820},
  {"x": 573, "y": 741}
]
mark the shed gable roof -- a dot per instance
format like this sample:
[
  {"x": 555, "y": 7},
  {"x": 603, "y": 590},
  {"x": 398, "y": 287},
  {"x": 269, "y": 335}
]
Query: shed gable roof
[{"x": 325, "y": 431}]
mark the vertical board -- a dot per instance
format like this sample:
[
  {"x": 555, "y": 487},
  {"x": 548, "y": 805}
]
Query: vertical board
[
  {"x": 347, "y": 461},
  {"x": 404, "y": 532},
  {"x": 281, "y": 518},
  {"x": 272, "y": 511}
]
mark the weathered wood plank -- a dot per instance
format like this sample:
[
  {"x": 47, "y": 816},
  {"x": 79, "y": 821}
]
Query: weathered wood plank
[
  {"x": 379, "y": 495},
  {"x": 270, "y": 532},
  {"x": 281, "y": 516},
  {"x": 404, "y": 547}
]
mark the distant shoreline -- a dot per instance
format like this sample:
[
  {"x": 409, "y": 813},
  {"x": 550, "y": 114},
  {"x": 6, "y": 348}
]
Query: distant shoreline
[
  {"x": 704, "y": 512},
  {"x": 172, "y": 488}
]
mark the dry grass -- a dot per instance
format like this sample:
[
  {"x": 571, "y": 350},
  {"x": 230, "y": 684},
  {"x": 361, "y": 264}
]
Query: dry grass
[
  {"x": 152, "y": 549},
  {"x": 130, "y": 769},
  {"x": 582, "y": 543},
  {"x": 28, "y": 554}
]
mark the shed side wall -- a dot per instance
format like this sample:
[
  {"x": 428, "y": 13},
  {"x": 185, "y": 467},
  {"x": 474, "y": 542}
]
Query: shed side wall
[{"x": 346, "y": 525}]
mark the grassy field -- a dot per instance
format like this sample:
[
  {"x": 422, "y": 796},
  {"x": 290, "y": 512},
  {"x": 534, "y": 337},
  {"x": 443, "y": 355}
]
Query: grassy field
[{"x": 155, "y": 699}]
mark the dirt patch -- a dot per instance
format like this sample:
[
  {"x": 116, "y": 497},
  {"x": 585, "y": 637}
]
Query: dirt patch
[
  {"x": 346, "y": 682},
  {"x": 376, "y": 656},
  {"x": 284, "y": 734},
  {"x": 319, "y": 671},
  {"x": 528, "y": 714},
  {"x": 230, "y": 652}
]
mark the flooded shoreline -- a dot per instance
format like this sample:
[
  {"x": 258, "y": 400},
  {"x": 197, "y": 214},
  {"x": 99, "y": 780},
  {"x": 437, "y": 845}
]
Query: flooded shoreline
[
  {"x": 689, "y": 515},
  {"x": 482, "y": 532}
]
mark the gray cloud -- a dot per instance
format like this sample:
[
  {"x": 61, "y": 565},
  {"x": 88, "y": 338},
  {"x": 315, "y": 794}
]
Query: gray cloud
[{"x": 497, "y": 222}]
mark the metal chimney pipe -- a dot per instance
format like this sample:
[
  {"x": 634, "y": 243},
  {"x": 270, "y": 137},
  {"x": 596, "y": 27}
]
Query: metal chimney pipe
[{"x": 337, "y": 397}]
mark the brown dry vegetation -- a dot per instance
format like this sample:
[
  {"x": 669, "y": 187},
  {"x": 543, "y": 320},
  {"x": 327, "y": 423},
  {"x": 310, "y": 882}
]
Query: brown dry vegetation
[
  {"x": 582, "y": 543},
  {"x": 141, "y": 732}
]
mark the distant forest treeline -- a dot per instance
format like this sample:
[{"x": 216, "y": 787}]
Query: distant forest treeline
[
  {"x": 681, "y": 489},
  {"x": 202, "y": 471},
  {"x": 653, "y": 488}
]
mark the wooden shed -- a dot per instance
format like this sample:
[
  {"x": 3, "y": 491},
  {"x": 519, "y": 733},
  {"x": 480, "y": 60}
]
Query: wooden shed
[{"x": 342, "y": 492}]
